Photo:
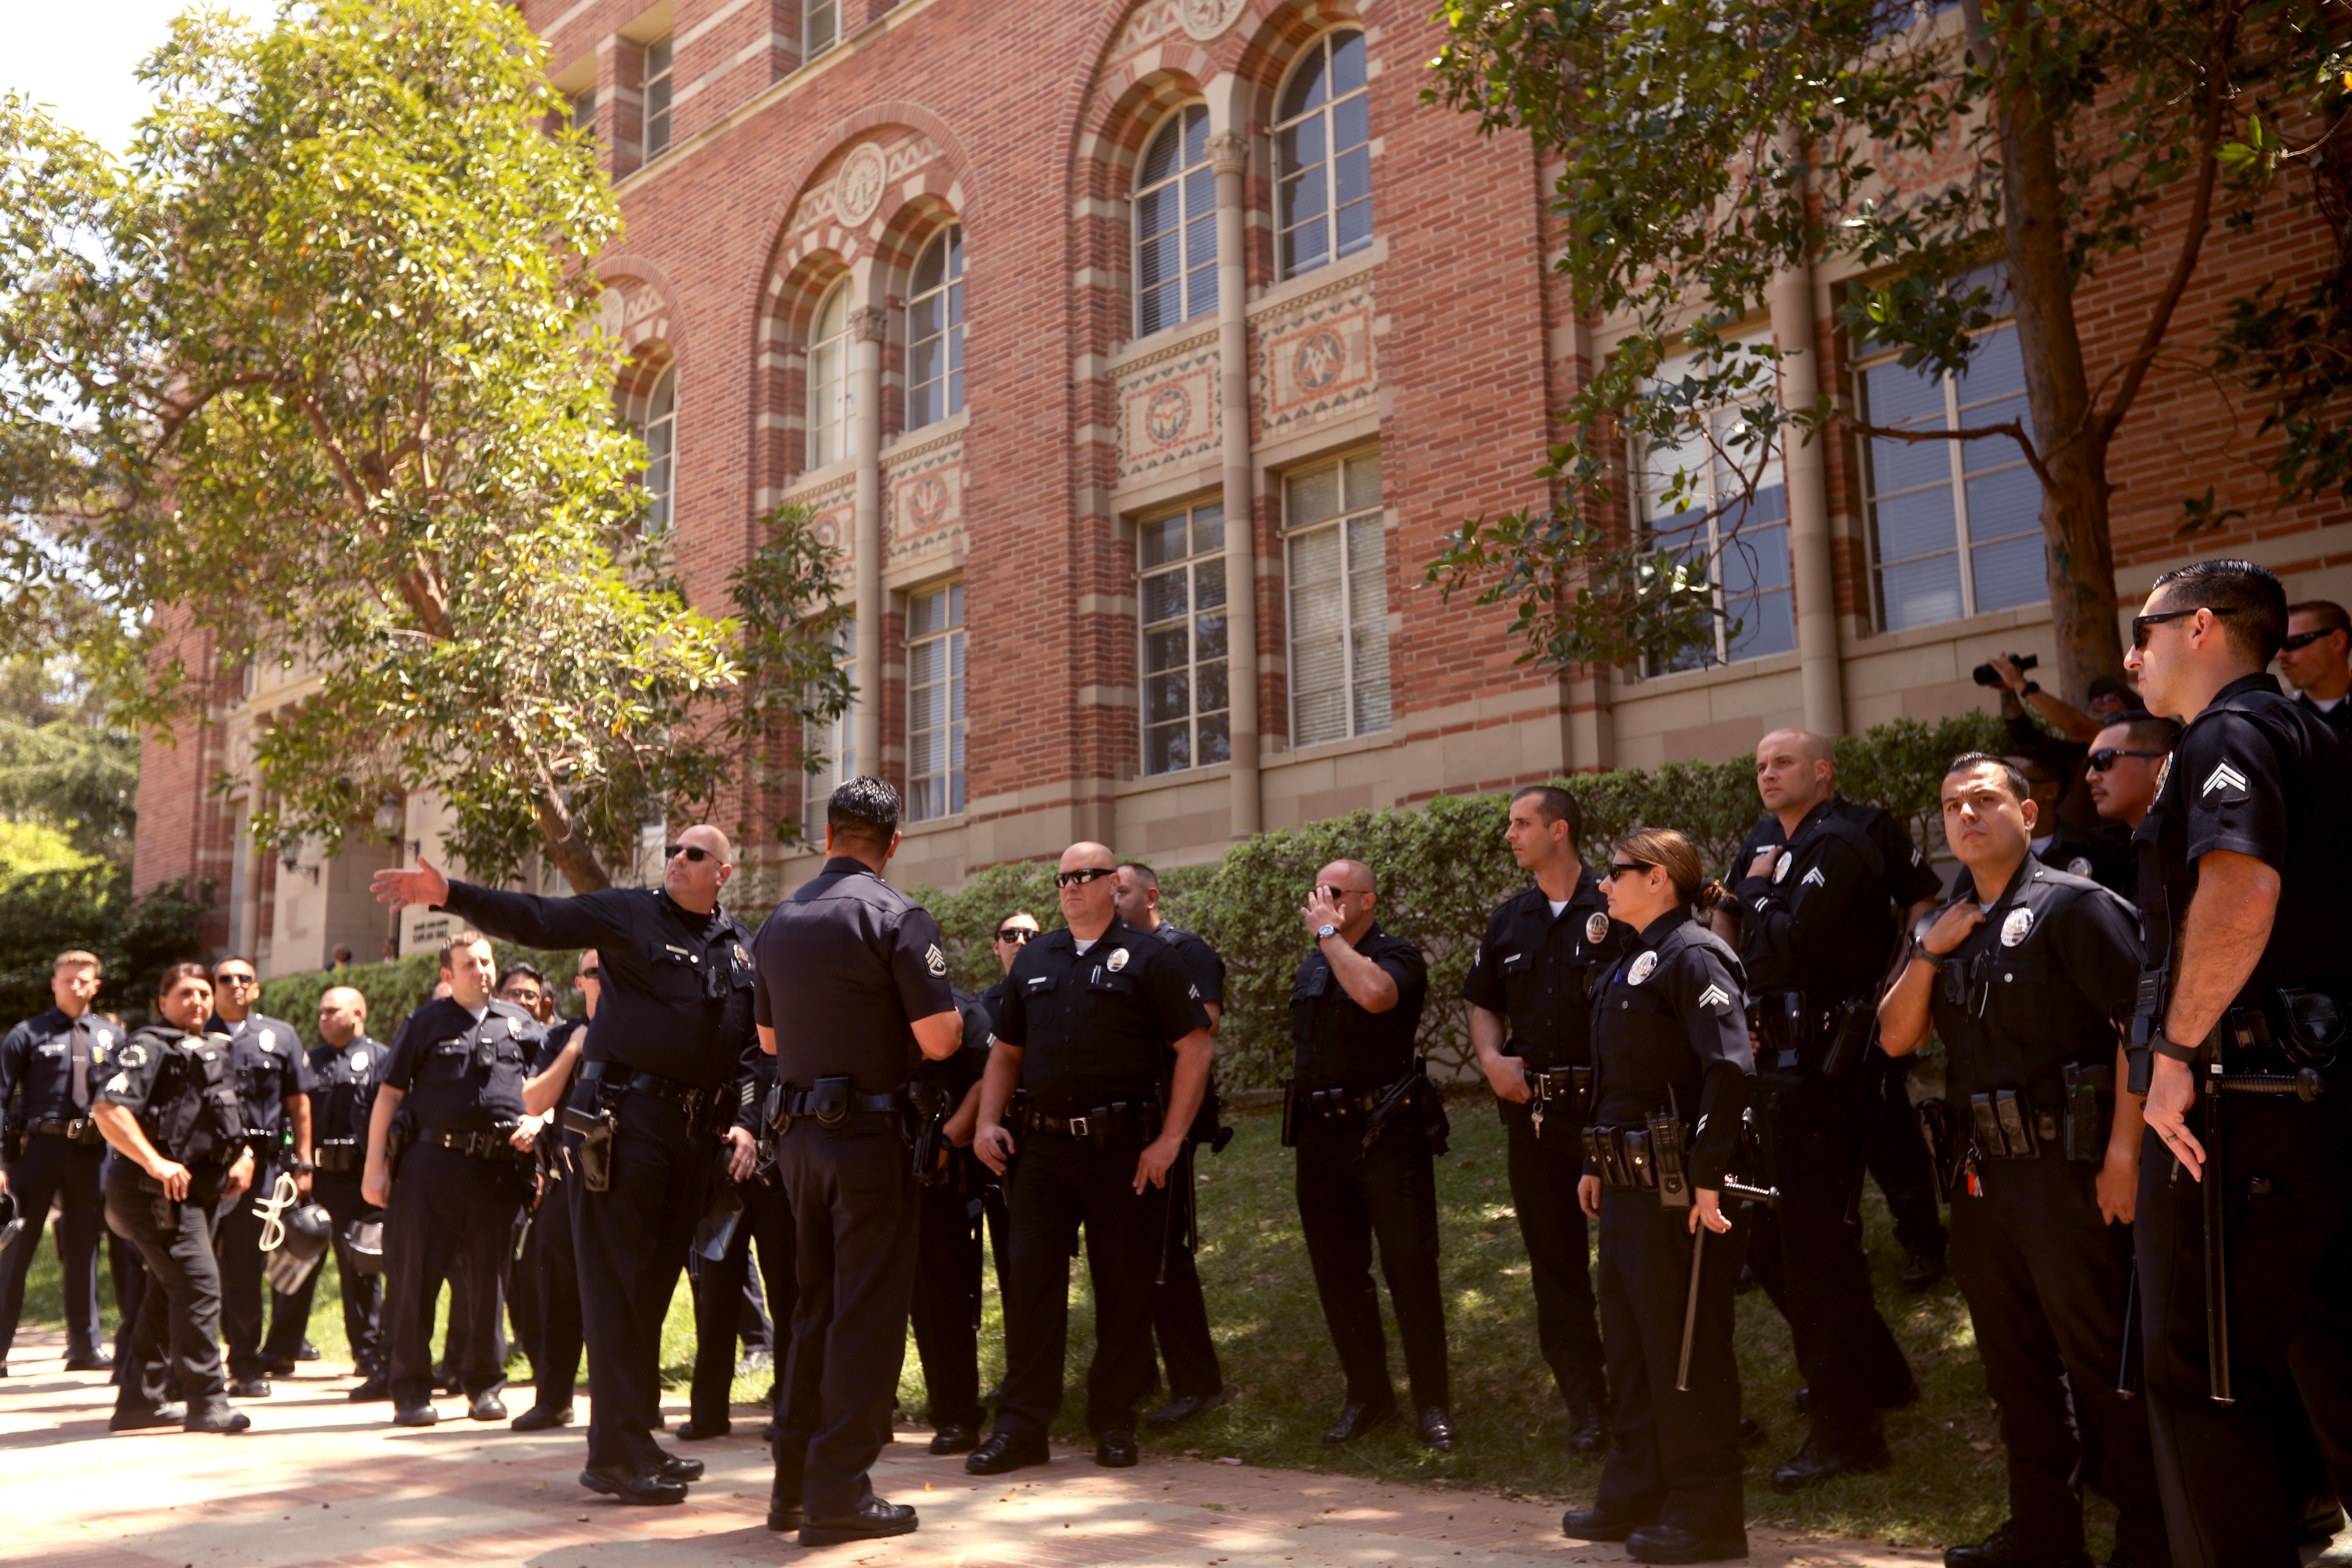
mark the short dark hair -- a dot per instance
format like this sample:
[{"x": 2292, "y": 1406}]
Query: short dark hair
[
  {"x": 1554, "y": 803},
  {"x": 1143, "y": 873},
  {"x": 2019, "y": 790},
  {"x": 863, "y": 811},
  {"x": 229, "y": 958},
  {"x": 179, "y": 971},
  {"x": 514, "y": 968},
  {"x": 2326, "y": 612},
  {"x": 2114, "y": 686},
  {"x": 464, "y": 936},
  {"x": 2249, "y": 601},
  {"x": 2145, "y": 730}
]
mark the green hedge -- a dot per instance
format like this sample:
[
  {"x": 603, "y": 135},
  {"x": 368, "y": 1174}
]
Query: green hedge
[
  {"x": 43, "y": 913},
  {"x": 393, "y": 990}
]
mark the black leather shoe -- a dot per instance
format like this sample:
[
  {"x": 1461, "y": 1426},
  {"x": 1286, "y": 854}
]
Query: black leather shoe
[
  {"x": 876, "y": 1520},
  {"x": 540, "y": 1418},
  {"x": 2317, "y": 1522},
  {"x": 634, "y": 1486},
  {"x": 1434, "y": 1427},
  {"x": 1004, "y": 1452},
  {"x": 1116, "y": 1449},
  {"x": 101, "y": 1361},
  {"x": 374, "y": 1388},
  {"x": 249, "y": 1388},
  {"x": 682, "y": 1470},
  {"x": 1355, "y": 1420},
  {"x": 140, "y": 1420},
  {"x": 223, "y": 1421},
  {"x": 955, "y": 1439},
  {"x": 1599, "y": 1524},
  {"x": 307, "y": 1352},
  {"x": 2009, "y": 1547},
  {"x": 1922, "y": 1270},
  {"x": 696, "y": 1432},
  {"x": 485, "y": 1407},
  {"x": 1824, "y": 1458},
  {"x": 1183, "y": 1408},
  {"x": 782, "y": 1516},
  {"x": 415, "y": 1416},
  {"x": 1672, "y": 1543},
  {"x": 278, "y": 1366},
  {"x": 1586, "y": 1432}
]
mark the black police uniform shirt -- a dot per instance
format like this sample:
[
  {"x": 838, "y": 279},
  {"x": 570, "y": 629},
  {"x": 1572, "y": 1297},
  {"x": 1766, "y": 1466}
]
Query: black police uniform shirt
[
  {"x": 271, "y": 1068},
  {"x": 1093, "y": 1027},
  {"x": 676, "y": 985},
  {"x": 956, "y": 1074},
  {"x": 1670, "y": 1029},
  {"x": 2035, "y": 987},
  {"x": 1203, "y": 966},
  {"x": 843, "y": 967},
  {"x": 1538, "y": 969},
  {"x": 2336, "y": 716},
  {"x": 346, "y": 1078},
  {"x": 36, "y": 1061},
  {"x": 2255, "y": 775},
  {"x": 1335, "y": 1042},
  {"x": 2106, "y": 860},
  {"x": 993, "y": 999},
  {"x": 559, "y": 1034},
  {"x": 460, "y": 1074},
  {"x": 1822, "y": 918},
  {"x": 183, "y": 1089}
]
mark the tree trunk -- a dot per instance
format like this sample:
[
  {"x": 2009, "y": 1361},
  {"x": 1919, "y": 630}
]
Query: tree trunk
[
  {"x": 560, "y": 837},
  {"x": 2074, "y": 487}
]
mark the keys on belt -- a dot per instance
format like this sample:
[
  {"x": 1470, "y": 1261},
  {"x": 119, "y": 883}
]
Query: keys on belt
[{"x": 1570, "y": 1089}]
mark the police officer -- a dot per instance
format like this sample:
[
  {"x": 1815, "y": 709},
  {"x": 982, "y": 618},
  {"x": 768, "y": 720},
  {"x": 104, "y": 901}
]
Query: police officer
[
  {"x": 1816, "y": 885},
  {"x": 547, "y": 1250},
  {"x": 850, "y": 973},
  {"x": 1355, "y": 1006},
  {"x": 461, "y": 1061},
  {"x": 273, "y": 1080},
  {"x": 1530, "y": 991},
  {"x": 50, "y": 1065},
  {"x": 2125, "y": 758},
  {"x": 2020, "y": 976},
  {"x": 662, "y": 1056},
  {"x": 1014, "y": 932},
  {"x": 1093, "y": 1011},
  {"x": 945, "y": 1314},
  {"x": 345, "y": 1070},
  {"x": 2315, "y": 658},
  {"x": 1671, "y": 1075},
  {"x": 2244, "y": 863},
  {"x": 171, "y": 1111},
  {"x": 2058, "y": 843},
  {"x": 1180, "y": 1313}
]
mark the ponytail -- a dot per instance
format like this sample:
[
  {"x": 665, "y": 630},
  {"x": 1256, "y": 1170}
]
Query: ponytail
[{"x": 1712, "y": 895}]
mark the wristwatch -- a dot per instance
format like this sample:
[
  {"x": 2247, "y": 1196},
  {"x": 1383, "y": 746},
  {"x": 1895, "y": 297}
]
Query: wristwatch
[
  {"x": 2171, "y": 1050},
  {"x": 2029, "y": 689},
  {"x": 1326, "y": 930}
]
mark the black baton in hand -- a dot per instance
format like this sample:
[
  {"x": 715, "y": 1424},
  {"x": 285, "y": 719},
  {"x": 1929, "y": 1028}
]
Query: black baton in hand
[
  {"x": 2217, "y": 1262},
  {"x": 1690, "y": 1309},
  {"x": 2126, "y": 1369}
]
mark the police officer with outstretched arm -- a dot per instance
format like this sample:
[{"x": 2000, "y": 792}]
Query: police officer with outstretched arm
[
  {"x": 1094, "y": 1011},
  {"x": 1530, "y": 991},
  {"x": 49, "y": 1066},
  {"x": 1361, "y": 1111},
  {"x": 663, "y": 1052},
  {"x": 1815, "y": 890},
  {"x": 2022, "y": 975},
  {"x": 851, "y": 985},
  {"x": 346, "y": 1068},
  {"x": 273, "y": 1079},
  {"x": 2245, "y": 1254}
]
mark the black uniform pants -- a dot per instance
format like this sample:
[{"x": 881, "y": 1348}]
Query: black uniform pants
[
  {"x": 854, "y": 1222},
  {"x": 548, "y": 1253},
  {"x": 1544, "y": 1172},
  {"x": 719, "y": 1303},
  {"x": 54, "y": 1170},
  {"x": 1808, "y": 1258},
  {"x": 946, "y": 1306},
  {"x": 1674, "y": 1454},
  {"x": 451, "y": 1220},
  {"x": 1057, "y": 1184},
  {"x": 1346, "y": 1200},
  {"x": 2045, "y": 1280},
  {"x": 289, "y": 1318},
  {"x": 2287, "y": 1170},
  {"x": 236, "y": 1234},
  {"x": 1899, "y": 1164},
  {"x": 174, "y": 1350},
  {"x": 1180, "y": 1311},
  {"x": 631, "y": 1242}
]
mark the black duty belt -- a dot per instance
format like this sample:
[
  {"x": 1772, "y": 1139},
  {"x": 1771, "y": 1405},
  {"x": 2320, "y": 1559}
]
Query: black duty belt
[
  {"x": 1123, "y": 1124},
  {"x": 687, "y": 1097},
  {"x": 791, "y": 1101},
  {"x": 82, "y": 1130},
  {"x": 338, "y": 1156},
  {"x": 1334, "y": 1104},
  {"x": 474, "y": 1145}
]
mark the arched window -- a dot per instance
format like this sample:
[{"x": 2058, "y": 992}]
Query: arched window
[
  {"x": 1175, "y": 225},
  {"x": 1323, "y": 157},
  {"x": 655, "y": 419},
  {"x": 828, "y": 379},
  {"x": 935, "y": 331}
]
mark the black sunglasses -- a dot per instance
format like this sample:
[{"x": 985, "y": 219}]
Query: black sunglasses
[
  {"x": 1017, "y": 933},
  {"x": 1082, "y": 875},
  {"x": 2140, "y": 624},
  {"x": 2305, "y": 639},
  {"x": 2100, "y": 761},
  {"x": 592, "y": 972},
  {"x": 234, "y": 980},
  {"x": 693, "y": 852},
  {"x": 1627, "y": 869}
]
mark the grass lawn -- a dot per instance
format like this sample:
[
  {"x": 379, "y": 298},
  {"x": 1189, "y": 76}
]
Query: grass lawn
[{"x": 1282, "y": 1382}]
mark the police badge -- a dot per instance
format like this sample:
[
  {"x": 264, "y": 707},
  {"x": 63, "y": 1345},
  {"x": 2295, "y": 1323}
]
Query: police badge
[
  {"x": 1596, "y": 927},
  {"x": 2080, "y": 866},
  {"x": 2163, "y": 772},
  {"x": 2016, "y": 928},
  {"x": 1117, "y": 960},
  {"x": 1644, "y": 967},
  {"x": 1780, "y": 872}
]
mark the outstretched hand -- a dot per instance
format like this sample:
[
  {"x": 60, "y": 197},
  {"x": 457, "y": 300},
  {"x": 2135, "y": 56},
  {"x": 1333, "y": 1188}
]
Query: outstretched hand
[{"x": 425, "y": 885}]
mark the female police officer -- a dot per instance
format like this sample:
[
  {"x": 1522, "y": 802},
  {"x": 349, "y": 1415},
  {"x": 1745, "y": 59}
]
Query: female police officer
[{"x": 1669, "y": 1039}]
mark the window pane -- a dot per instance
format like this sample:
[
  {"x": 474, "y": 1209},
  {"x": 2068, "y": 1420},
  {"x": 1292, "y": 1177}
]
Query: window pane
[
  {"x": 1347, "y": 62},
  {"x": 1160, "y": 158},
  {"x": 1166, "y": 749},
  {"x": 1996, "y": 453},
  {"x": 1167, "y": 649},
  {"x": 1892, "y": 395},
  {"x": 1166, "y": 696},
  {"x": 1996, "y": 369},
  {"x": 1156, "y": 309},
  {"x": 1920, "y": 594},
  {"x": 1363, "y": 481},
  {"x": 2002, "y": 504},
  {"x": 1209, "y": 583},
  {"x": 1317, "y": 644},
  {"x": 1160, "y": 541},
  {"x": 1367, "y": 569},
  {"x": 1300, "y": 146},
  {"x": 1907, "y": 465},
  {"x": 1352, "y": 179},
  {"x": 1209, "y": 686},
  {"x": 1307, "y": 89},
  {"x": 1767, "y": 625},
  {"x": 1351, "y": 122},
  {"x": 1310, "y": 497},
  {"x": 1216, "y": 744},
  {"x": 1156, "y": 260},
  {"x": 1304, "y": 249},
  {"x": 820, "y": 30},
  {"x": 1209, "y": 533},
  {"x": 1921, "y": 523},
  {"x": 1196, "y": 133},
  {"x": 1164, "y": 597},
  {"x": 1157, "y": 212},
  {"x": 1201, "y": 242},
  {"x": 1355, "y": 227},
  {"x": 1209, "y": 638},
  {"x": 2011, "y": 574}
]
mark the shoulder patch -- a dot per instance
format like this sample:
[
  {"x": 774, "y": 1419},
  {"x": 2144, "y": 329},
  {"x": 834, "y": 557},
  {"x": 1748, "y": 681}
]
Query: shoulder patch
[
  {"x": 1596, "y": 927},
  {"x": 1117, "y": 960},
  {"x": 2080, "y": 866},
  {"x": 1916, "y": 857},
  {"x": 2224, "y": 781},
  {"x": 2017, "y": 927},
  {"x": 119, "y": 1083},
  {"x": 933, "y": 959},
  {"x": 2163, "y": 773},
  {"x": 1643, "y": 968},
  {"x": 134, "y": 1055}
]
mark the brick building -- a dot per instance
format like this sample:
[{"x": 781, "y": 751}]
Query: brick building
[{"x": 1139, "y": 356}]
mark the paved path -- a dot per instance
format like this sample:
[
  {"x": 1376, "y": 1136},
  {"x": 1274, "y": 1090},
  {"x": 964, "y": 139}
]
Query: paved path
[{"x": 321, "y": 1480}]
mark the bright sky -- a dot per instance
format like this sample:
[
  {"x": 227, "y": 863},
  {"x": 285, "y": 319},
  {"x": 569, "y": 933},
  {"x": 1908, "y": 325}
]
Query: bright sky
[{"x": 80, "y": 59}]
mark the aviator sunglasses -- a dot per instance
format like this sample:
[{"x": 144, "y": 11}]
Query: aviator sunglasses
[{"x": 1082, "y": 875}]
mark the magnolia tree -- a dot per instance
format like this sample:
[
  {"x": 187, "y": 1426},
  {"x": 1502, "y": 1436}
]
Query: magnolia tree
[
  {"x": 1977, "y": 160},
  {"x": 311, "y": 375}
]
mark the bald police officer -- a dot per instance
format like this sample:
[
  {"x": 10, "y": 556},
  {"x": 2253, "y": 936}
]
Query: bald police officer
[{"x": 347, "y": 1066}]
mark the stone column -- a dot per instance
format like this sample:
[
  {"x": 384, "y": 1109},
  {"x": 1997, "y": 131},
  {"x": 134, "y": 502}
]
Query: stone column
[
  {"x": 1819, "y": 674},
  {"x": 866, "y": 326},
  {"x": 1229, "y": 159}
]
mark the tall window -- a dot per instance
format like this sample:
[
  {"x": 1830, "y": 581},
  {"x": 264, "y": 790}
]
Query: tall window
[
  {"x": 580, "y": 111},
  {"x": 837, "y": 741},
  {"x": 1339, "y": 602},
  {"x": 1323, "y": 157},
  {"x": 1175, "y": 225},
  {"x": 1180, "y": 569},
  {"x": 656, "y": 424},
  {"x": 935, "y": 331},
  {"x": 657, "y": 91},
  {"x": 828, "y": 379},
  {"x": 935, "y": 703},
  {"x": 820, "y": 27},
  {"x": 1744, "y": 545},
  {"x": 1955, "y": 526}
]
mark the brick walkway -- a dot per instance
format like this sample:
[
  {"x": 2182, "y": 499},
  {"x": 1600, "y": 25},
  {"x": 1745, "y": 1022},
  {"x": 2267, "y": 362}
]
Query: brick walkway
[{"x": 321, "y": 1480}]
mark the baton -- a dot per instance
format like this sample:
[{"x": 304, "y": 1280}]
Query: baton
[
  {"x": 2128, "y": 1385},
  {"x": 2217, "y": 1263},
  {"x": 1690, "y": 1310}
]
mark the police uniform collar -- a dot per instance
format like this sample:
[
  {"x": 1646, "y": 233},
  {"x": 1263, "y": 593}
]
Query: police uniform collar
[
  {"x": 849, "y": 865},
  {"x": 1664, "y": 926}
]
